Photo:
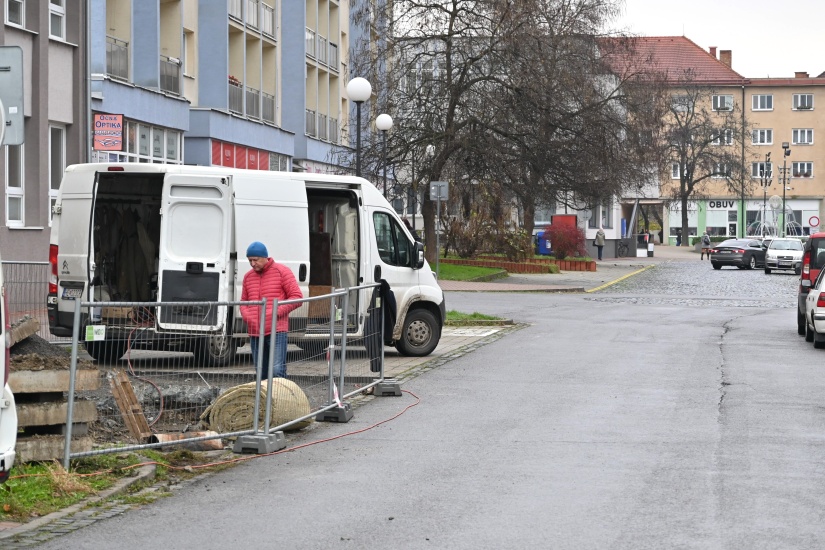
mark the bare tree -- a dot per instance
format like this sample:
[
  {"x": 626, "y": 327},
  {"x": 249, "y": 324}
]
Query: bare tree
[{"x": 703, "y": 145}]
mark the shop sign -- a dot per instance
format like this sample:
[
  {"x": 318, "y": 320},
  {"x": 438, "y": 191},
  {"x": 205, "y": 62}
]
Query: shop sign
[
  {"x": 108, "y": 132},
  {"x": 722, "y": 204}
]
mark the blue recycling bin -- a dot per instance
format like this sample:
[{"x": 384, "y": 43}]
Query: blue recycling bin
[{"x": 543, "y": 245}]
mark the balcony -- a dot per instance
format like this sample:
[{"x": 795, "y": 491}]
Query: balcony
[
  {"x": 235, "y": 96},
  {"x": 117, "y": 58},
  {"x": 268, "y": 107},
  {"x": 310, "y": 42},
  {"x": 268, "y": 19},
  {"x": 333, "y": 56},
  {"x": 235, "y": 10},
  {"x": 252, "y": 13},
  {"x": 253, "y": 103},
  {"x": 322, "y": 49},
  {"x": 310, "y": 123},
  {"x": 170, "y": 74},
  {"x": 323, "y": 128}
]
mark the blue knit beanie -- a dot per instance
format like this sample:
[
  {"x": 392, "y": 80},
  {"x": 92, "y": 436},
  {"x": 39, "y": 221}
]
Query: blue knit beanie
[{"x": 257, "y": 250}]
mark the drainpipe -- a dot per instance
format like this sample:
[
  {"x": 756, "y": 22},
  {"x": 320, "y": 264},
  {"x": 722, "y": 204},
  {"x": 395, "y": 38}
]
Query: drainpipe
[{"x": 87, "y": 126}]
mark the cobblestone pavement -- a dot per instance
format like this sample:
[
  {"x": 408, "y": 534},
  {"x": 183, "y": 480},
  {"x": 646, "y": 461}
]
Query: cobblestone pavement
[{"x": 696, "y": 283}]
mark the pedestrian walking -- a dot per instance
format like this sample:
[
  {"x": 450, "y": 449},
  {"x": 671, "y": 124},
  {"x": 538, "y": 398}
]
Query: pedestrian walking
[
  {"x": 599, "y": 242},
  {"x": 272, "y": 281},
  {"x": 705, "y": 246},
  {"x": 678, "y": 237}
]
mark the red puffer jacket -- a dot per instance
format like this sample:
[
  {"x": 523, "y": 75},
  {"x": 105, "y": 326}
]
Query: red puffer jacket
[{"x": 274, "y": 281}]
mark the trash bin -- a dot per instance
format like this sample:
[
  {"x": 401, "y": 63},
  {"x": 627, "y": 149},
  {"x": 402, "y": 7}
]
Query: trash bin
[
  {"x": 649, "y": 250},
  {"x": 543, "y": 245}
]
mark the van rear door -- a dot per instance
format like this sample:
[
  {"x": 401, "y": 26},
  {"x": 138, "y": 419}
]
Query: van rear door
[{"x": 195, "y": 233}]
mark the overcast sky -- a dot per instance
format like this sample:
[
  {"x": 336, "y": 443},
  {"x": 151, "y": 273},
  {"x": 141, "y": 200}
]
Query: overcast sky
[{"x": 767, "y": 37}]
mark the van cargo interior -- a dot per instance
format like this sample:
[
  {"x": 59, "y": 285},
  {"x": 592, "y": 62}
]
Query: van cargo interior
[{"x": 126, "y": 239}]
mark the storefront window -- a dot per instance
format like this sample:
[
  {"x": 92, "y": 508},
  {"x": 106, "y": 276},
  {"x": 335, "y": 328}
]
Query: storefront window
[{"x": 165, "y": 146}]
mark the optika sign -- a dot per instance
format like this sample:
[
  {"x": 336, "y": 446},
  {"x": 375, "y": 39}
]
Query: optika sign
[
  {"x": 721, "y": 204},
  {"x": 108, "y": 132}
]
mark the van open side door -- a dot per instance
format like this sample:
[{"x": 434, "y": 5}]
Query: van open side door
[{"x": 195, "y": 235}]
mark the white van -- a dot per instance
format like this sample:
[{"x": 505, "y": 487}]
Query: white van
[
  {"x": 8, "y": 412},
  {"x": 148, "y": 232}
]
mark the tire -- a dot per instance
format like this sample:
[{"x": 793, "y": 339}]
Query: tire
[
  {"x": 217, "y": 350},
  {"x": 420, "y": 334},
  {"x": 800, "y": 323},
  {"x": 752, "y": 262},
  {"x": 106, "y": 352},
  {"x": 809, "y": 334},
  {"x": 797, "y": 270},
  {"x": 716, "y": 266},
  {"x": 767, "y": 271}
]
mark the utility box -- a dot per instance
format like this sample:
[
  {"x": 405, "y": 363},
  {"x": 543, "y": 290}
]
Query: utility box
[{"x": 542, "y": 244}]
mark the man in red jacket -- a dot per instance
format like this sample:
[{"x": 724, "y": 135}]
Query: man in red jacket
[{"x": 268, "y": 280}]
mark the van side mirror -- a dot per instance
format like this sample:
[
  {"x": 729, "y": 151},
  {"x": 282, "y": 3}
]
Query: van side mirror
[{"x": 418, "y": 254}]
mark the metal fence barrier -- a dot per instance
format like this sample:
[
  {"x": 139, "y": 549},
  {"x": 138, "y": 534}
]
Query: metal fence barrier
[
  {"x": 165, "y": 371},
  {"x": 27, "y": 285}
]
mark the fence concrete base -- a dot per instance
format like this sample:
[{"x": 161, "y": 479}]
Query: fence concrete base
[
  {"x": 388, "y": 387},
  {"x": 341, "y": 414},
  {"x": 260, "y": 443}
]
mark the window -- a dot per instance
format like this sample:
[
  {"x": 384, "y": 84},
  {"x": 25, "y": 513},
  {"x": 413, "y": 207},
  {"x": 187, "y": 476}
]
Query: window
[
  {"x": 722, "y": 102},
  {"x": 759, "y": 169},
  {"x": 803, "y": 169},
  {"x": 393, "y": 246},
  {"x": 680, "y": 103},
  {"x": 762, "y": 102},
  {"x": 675, "y": 172},
  {"x": 803, "y": 101},
  {"x": 14, "y": 186},
  {"x": 187, "y": 52},
  {"x": 15, "y": 12},
  {"x": 142, "y": 143},
  {"x": 803, "y": 136},
  {"x": 57, "y": 163},
  {"x": 57, "y": 19},
  {"x": 722, "y": 137},
  {"x": 762, "y": 137},
  {"x": 721, "y": 170}
]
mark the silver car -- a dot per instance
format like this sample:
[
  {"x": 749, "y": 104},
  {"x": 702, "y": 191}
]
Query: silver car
[{"x": 784, "y": 254}]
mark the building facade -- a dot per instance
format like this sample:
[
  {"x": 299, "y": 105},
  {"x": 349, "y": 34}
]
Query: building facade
[{"x": 256, "y": 84}]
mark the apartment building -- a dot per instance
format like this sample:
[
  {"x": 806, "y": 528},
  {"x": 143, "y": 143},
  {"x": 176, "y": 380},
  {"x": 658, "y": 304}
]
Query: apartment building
[
  {"x": 51, "y": 37},
  {"x": 782, "y": 111}
]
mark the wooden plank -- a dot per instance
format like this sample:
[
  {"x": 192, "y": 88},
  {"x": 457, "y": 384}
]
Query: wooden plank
[
  {"x": 129, "y": 407},
  {"x": 44, "y": 381}
]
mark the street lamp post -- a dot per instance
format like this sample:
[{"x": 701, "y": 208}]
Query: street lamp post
[
  {"x": 359, "y": 90},
  {"x": 384, "y": 123},
  {"x": 766, "y": 181},
  {"x": 787, "y": 151}
]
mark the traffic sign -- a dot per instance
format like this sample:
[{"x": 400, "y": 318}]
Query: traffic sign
[
  {"x": 813, "y": 221},
  {"x": 438, "y": 190}
]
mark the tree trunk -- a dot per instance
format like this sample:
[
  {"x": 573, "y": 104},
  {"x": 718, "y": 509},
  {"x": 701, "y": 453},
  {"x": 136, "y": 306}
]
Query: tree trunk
[{"x": 428, "y": 213}]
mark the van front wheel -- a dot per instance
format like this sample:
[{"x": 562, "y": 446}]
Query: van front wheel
[{"x": 420, "y": 334}]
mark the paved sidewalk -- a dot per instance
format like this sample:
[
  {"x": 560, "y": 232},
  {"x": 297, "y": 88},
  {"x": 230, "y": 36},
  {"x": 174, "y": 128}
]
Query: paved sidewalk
[{"x": 607, "y": 272}]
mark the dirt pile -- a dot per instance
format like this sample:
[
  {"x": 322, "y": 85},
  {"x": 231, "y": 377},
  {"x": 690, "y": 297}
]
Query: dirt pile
[{"x": 35, "y": 353}]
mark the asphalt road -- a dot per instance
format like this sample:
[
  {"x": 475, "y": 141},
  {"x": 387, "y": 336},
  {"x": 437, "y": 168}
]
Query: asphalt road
[{"x": 676, "y": 409}]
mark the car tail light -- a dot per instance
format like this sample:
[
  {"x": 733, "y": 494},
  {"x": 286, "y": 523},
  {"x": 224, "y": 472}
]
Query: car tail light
[
  {"x": 739, "y": 251},
  {"x": 806, "y": 265},
  {"x": 53, "y": 266},
  {"x": 820, "y": 300}
]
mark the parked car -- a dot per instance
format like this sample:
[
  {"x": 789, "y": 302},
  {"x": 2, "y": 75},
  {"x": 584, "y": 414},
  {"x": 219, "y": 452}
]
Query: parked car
[
  {"x": 813, "y": 259},
  {"x": 742, "y": 253},
  {"x": 784, "y": 254},
  {"x": 815, "y": 310},
  {"x": 8, "y": 412}
]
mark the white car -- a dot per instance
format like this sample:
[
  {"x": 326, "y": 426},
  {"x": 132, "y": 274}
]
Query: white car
[
  {"x": 784, "y": 254},
  {"x": 8, "y": 412}
]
